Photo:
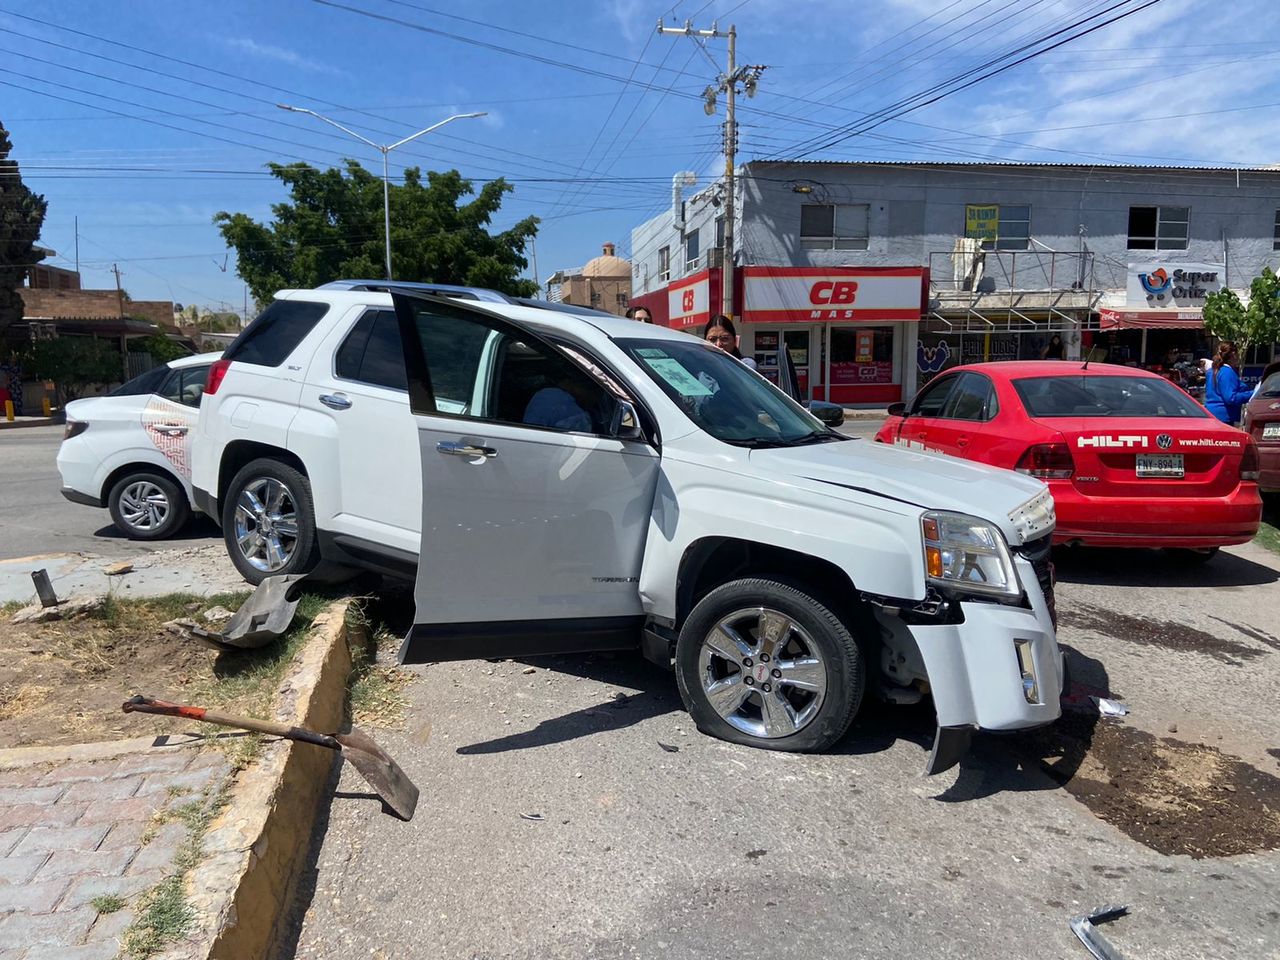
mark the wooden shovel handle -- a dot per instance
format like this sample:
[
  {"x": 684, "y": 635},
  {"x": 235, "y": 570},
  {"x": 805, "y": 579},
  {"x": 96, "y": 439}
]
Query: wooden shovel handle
[{"x": 140, "y": 704}]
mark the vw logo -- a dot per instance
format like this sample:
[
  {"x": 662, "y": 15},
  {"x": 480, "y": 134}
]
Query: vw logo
[{"x": 1164, "y": 441}]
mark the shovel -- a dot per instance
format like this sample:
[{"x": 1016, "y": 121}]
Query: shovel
[{"x": 382, "y": 773}]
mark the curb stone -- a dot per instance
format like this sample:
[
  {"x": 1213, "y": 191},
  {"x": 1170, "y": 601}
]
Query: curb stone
[{"x": 253, "y": 850}]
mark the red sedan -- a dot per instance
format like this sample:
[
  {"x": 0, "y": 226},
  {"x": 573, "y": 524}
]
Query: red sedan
[
  {"x": 1262, "y": 420},
  {"x": 1131, "y": 459}
]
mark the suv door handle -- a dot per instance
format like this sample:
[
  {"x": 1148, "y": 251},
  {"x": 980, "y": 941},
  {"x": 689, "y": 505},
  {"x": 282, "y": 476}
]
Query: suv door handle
[
  {"x": 458, "y": 448},
  {"x": 336, "y": 401}
]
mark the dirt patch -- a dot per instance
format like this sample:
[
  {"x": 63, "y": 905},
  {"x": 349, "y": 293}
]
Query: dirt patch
[
  {"x": 1156, "y": 633},
  {"x": 63, "y": 682},
  {"x": 1175, "y": 797}
]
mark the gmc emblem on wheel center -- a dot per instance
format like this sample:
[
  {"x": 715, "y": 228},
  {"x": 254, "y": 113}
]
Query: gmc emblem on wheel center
[{"x": 1164, "y": 441}]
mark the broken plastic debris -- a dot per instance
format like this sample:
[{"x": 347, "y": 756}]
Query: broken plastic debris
[
  {"x": 1098, "y": 945},
  {"x": 670, "y": 748},
  {"x": 532, "y": 816},
  {"x": 1110, "y": 708}
]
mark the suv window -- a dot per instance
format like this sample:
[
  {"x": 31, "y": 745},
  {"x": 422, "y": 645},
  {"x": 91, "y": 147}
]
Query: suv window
[
  {"x": 372, "y": 352},
  {"x": 185, "y": 386},
  {"x": 148, "y": 382},
  {"x": 931, "y": 401},
  {"x": 484, "y": 370},
  {"x": 973, "y": 398},
  {"x": 276, "y": 332}
]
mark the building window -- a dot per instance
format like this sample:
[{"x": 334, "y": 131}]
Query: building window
[
  {"x": 664, "y": 264},
  {"x": 691, "y": 250},
  {"x": 622, "y": 300},
  {"x": 1275, "y": 244},
  {"x": 830, "y": 226},
  {"x": 1014, "y": 230},
  {"x": 1158, "y": 228}
]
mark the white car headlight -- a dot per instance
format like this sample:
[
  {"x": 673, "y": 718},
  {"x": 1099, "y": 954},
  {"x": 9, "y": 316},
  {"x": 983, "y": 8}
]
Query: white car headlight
[{"x": 967, "y": 554}]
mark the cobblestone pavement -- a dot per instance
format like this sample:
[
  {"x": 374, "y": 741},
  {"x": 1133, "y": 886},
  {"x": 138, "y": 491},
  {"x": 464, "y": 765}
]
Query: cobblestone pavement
[{"x": 78, "y": 830}]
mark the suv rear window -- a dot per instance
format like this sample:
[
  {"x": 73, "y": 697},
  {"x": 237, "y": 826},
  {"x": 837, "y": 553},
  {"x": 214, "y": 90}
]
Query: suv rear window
[
  {"x": 1105, "y": 396},
  {"x": 276, "y": 332}
]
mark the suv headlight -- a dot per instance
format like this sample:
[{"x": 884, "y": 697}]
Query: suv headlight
[{"x": 967, "y": 554}]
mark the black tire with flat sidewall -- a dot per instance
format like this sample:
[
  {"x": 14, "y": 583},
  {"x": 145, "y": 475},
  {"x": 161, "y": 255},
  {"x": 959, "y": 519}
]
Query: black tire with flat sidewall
[
  {"x": 846, "y": 671},
  {"x": 306, "y": 554},
  {"x": 1189, "y": 557},
  {"x": 179, "y": 509}
]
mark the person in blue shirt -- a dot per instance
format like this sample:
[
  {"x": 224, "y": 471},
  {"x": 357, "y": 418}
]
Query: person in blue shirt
[
  {"x": 1223, "y": 392},
  {"x": 561, "y": 406}
]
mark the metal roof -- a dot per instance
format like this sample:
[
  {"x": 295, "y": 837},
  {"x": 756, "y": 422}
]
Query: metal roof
[{"x": 970, "y": 164}]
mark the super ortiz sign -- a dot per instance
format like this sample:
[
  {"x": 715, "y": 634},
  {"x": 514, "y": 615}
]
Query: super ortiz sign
[{"x": 805, "y": 294}]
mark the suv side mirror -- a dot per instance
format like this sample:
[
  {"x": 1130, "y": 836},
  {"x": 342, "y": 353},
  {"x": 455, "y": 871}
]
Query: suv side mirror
[
  {"x": 898, "y": 409},
  {"x": 625, "y": 423}
]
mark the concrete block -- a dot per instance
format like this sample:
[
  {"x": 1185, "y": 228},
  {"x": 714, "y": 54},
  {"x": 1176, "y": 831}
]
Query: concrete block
[
  {"x": 62, "y": 929},
  {"x": 129, "y": 833},
  {"x": 86, "y": 888},
  {"x": 29, "y": 794},
  {"x": 118, "y": 811},
  {"x": 90, "y": 770},
  {"x": 116, "y": 789},
  {"x": 10, "y": 838},
  {"x": 49, "y": 839},
  {"x": 159, "y": 853},
  {"x": 110, "y": 927},
  {"x": 20, "y": 869},
  {"x": 189, "y": 782},
  {"x": 49, "y": 815},
  {"x": 101, "y": 950},
  {"x": 161, "y": 760},
  {"x": 71, "y": 863},
  {"x": 39, "y": 897}
]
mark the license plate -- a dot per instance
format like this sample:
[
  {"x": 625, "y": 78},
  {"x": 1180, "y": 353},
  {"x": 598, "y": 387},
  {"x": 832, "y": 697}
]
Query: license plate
[
  {"x": 1160, "y": 465},
  {"x": 1271, "y": 431}
]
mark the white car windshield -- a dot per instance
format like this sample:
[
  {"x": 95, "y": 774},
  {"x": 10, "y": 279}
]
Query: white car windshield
[{"x": 724, "y": 398}]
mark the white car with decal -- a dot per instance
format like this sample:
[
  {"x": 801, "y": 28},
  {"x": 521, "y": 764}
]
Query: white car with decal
[{"x": 130, "y": 450}]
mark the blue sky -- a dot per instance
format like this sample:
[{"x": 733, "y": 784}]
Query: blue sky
[{"x": 590, "y": 113}]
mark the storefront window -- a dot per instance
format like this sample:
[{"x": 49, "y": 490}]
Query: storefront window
[
  {"x": 861, "y": 355},
  {"x": 1158, "y": 228}
]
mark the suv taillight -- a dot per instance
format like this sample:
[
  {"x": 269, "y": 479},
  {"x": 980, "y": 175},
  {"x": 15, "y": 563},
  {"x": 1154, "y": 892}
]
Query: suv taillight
[
  {"x": 216, "y": 373},
  {"x": 1249, "y": 463},
  {"x": 1047, "y": 461}
]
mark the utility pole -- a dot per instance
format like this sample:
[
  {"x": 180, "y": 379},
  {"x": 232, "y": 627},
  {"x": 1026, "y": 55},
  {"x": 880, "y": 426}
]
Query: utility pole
[
  {"x": 726, "y": 83},
  {"x": 115, "y": 268},
  {"x": 77, "y": 223},
  {"x": 533, "y": 252}
]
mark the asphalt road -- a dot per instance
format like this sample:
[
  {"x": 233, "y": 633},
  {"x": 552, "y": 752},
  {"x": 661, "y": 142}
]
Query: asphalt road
[
  {"x": 36, "y": 519},
  {"x": 554, "y": 823}
]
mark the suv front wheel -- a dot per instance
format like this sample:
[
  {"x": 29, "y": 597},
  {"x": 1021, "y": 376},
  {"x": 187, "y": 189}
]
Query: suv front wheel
[
  {"x": 763, "y": 663},
  {"x": 268, "y": 521}
]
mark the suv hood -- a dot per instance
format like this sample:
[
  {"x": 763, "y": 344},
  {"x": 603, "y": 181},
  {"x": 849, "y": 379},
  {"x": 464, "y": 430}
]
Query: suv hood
[{"x": 929, "y": 481}]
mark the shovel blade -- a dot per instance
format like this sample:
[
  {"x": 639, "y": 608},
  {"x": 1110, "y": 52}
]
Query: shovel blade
[{"x": 381, "y": 772}]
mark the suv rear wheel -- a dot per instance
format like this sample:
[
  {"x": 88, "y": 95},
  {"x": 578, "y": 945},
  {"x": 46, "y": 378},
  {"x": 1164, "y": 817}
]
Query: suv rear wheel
[
  {"x": 148, "y": 506},
  {"x": 763, "y": 663},
  {"x": 268, "y": 521}
]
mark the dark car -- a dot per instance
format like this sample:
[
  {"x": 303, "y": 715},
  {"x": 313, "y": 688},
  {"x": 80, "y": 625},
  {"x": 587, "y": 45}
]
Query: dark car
[{"x": 1262, "y": 422}]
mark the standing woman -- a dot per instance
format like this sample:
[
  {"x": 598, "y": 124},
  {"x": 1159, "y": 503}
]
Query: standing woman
[
  {"x": 720, "y": 332},
  {"x": 1223, "y": 391}
]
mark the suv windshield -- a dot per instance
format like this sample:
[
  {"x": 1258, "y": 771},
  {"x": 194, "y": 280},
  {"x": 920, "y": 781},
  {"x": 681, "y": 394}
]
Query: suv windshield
[
  {"x": 1105, "y": 396},
  {"x": 1270, "y": 386},
  {"x": 723, "y": 397}
]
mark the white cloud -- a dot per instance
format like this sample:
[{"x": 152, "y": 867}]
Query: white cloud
[{"x": 267, "y": 51}]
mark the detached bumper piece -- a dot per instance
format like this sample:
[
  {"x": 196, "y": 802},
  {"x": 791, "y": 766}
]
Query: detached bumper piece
[
  {"x": 1098, "y": 945},
  {"x": 949, "y": 747},
  {"x": 262, "y": 619}
]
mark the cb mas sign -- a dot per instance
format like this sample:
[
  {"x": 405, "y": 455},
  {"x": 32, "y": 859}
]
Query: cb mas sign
[{"x": 815, "y": 294}]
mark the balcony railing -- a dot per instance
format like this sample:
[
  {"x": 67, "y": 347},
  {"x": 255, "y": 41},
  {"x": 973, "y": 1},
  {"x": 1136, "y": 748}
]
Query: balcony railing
[{"x": 971, "y": 288}]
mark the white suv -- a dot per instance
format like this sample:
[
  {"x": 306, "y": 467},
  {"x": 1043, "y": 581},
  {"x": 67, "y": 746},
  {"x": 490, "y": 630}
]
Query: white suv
[{"x": 595, "y": 483}]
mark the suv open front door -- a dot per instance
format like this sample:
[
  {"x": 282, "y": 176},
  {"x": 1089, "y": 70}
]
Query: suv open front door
[{"x": 534, "y": 515}]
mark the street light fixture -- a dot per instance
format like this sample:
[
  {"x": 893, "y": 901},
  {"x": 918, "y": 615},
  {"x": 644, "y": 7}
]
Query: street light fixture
[{"x": 385, "y": 150}]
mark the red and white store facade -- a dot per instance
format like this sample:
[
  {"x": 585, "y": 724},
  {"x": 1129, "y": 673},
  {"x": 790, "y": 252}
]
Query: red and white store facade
[{"x": 851, "y": 331}]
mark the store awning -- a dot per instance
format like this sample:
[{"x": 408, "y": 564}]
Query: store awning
[{"x": 1150, "y": 319}]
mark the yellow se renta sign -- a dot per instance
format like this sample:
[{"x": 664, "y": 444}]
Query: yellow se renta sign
[{"x": 981, "y": 221}]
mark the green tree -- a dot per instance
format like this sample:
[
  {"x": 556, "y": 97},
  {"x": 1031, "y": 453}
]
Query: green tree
[
  {"x": 161, "y": 348},
  {"x": 72, "y": 363},
  {"x": 1229, "y": 319},
  {"x": 332, "y": 228},
  {"x": 21, "y": 217}
]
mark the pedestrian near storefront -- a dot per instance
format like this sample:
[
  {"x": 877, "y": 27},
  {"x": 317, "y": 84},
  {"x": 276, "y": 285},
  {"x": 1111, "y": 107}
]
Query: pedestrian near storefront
[
  {"x": 1054, "y": 349},
  {"x": 641, "y": 314},
  {"x": 1223, "y": 392},
  {"x": 721, "y": 332}
]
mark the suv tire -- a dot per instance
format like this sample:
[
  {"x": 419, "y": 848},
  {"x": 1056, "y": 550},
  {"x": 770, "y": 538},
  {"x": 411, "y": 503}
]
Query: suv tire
[
  {"x": 763, "y": 663},
  {"x": 148, "y": 506},
  {"x": 269, "y": 521}
]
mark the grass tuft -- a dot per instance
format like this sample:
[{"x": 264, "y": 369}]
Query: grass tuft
[{"x": 107, "y": 903}]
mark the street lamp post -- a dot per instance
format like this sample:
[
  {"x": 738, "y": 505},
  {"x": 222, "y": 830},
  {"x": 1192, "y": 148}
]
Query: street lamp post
[{"x": 385, "y": 150}]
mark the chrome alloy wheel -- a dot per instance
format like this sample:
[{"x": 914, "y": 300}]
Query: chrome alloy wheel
[
  {"x": 144, "y": 506},
  {"x": 266, "y": 524},
  {"x": 762, "y": 672}
]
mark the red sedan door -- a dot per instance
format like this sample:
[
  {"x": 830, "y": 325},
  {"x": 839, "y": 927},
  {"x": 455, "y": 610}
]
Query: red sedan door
[{"x": 920, "y": 428}]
